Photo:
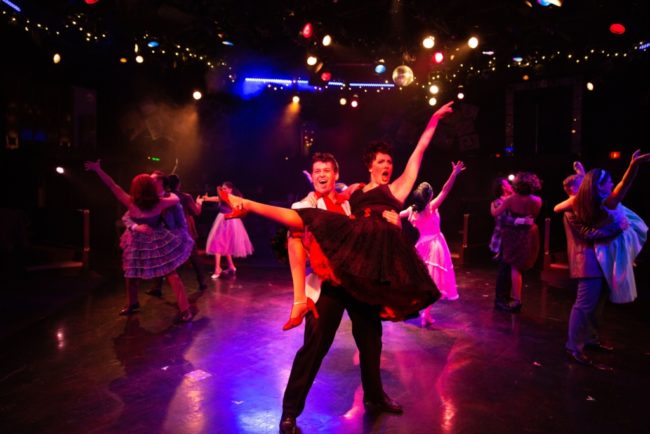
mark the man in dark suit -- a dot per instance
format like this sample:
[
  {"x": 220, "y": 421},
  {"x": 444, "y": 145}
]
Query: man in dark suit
[
  {"x": 584, "y": 267},
  {"x": 331, "y": 301}
]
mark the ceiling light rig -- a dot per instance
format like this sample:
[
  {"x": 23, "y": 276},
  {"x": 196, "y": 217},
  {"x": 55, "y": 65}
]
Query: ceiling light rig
[{"x": 451, "y": 73}]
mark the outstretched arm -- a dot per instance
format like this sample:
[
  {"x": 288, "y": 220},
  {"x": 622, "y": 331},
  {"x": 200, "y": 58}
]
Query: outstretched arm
[
  {"x": 121, "y": 195},
  {"x": 622, "y": 187},
  {"x": 402, "y": 186},
  {"x": 565, "y": 205},
  {"x": 456, "y": 168}
]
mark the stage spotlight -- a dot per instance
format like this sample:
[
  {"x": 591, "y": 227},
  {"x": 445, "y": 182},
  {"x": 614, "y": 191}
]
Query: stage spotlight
[
  {"x": 518, "y": 59},
  {"x": 91, "y": 2},
  {"x": 197, "y": 95},
  {"x": 312, "y": 60},
  {"x": 511, "y": 177},
  {"x": 428, "y": 42},
  {"x": 590, "y": 86},
  {"x": 295, "y": 99},
  {"x": 438, "y": 57},
  {"x": 327, "y": 41},
  {"x": 307, "y": 31},
  {"x": 434, "y": 89},
  {"x": 460, "y": 95},
  {"x": 56, "y": 58},
  {"x": 614, "y": 155},
  {"x": 380, "y": 68},
  {"x": 343, "y": 101},
  {"x": 139, "y": 59},
  {"x": 354, "y": 103},
  {"x": 433, "y": 101},
  {"x": 60, "y": 170},
  {"x": 525, "y": 77},
  {"x": 326, "y": 76},
  {"x": 472, "y": 42},
  {"x": 123, "y": 60},
  {"x": 152, "y": 44},
  {"x": 545, "y": 3},
  {"x": 617, "y": 29}
]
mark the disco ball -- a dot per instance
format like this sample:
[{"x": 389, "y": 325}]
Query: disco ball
[{"x": 403, "y": 75}]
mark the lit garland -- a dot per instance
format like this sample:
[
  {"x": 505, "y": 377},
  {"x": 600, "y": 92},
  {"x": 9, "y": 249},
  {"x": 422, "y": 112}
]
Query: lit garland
[
  {"x": 447, "y": 74},
  {"x": 75, "y": 23}
]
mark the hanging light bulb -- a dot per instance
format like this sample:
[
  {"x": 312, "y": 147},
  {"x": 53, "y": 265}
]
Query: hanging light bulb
[{"x": 428, "y": 42}]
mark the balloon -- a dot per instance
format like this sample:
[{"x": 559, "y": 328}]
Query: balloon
[{"x": 403, "y": 75}]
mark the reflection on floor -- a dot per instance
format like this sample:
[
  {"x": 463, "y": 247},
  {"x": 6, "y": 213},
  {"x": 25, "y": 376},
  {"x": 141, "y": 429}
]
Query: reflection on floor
[{"x": 475, "y": 370}]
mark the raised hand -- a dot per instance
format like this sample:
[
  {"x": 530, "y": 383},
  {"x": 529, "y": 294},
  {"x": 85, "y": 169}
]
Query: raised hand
[
  {"x": 638, "y": 158},
  {"x": 444, "y": 110},
  {"x": 578, "y": 168},
  {"x": 92, "y": 166},
  {"x": 457, "y": 167}
]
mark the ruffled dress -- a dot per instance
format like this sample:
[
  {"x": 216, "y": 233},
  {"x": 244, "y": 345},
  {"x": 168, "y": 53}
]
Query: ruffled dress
[
  {"x": 369, "y": 256},
  {"x": 228, "y": 237},
  {"x": 616, "y": 257},
  {"x": 155, "y": 253},
  {"x": 434, "y": 251}
]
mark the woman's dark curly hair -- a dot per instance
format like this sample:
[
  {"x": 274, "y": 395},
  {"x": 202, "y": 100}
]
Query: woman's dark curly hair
[
  {"x": 144, "y": 192},
  {"x": 373, "y": 149},
  {"x": 526, "y": 183}
]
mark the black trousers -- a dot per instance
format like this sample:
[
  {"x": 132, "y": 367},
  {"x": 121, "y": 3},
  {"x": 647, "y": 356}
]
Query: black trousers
[
  {"x": 503, "y": 284},
  {"x": 319, "y": 335}
]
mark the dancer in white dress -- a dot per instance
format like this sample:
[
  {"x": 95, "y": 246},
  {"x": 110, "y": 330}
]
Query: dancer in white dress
[
  {"x": 228, "y": 237},
  {"x": 432, "y": 246}
]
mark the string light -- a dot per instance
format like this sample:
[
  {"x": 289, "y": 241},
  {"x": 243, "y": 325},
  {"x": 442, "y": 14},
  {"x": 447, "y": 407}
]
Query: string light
[{"x": 80, "y": 23}]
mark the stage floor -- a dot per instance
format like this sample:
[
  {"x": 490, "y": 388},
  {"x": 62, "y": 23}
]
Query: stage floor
[{"x": 85, "y": 369}]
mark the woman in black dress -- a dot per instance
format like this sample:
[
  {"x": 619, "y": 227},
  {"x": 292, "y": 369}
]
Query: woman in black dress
[{"x": 365, "y": 253}]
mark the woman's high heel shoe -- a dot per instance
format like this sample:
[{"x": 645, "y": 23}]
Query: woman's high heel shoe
[
  {"x": 295, "y": 322},
  {"x": 235, "y": 212}
]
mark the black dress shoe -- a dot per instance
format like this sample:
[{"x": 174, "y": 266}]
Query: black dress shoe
[
  {"x": 385, "y": 404},
  {"x": 579, "y": 358},
  {"x": 130, "y": 310},
  {"x": 154, "y": 292},
  {"x": 288, "y": 425},
  {"x": 508, "y": 306},
  {"x": 599, "y": 347}
]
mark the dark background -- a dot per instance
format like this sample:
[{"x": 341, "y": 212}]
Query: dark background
[{"x": 90, "y": 106}]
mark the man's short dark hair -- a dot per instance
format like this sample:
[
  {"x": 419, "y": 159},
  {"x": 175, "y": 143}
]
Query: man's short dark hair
[{"x": 325, "y": 157}]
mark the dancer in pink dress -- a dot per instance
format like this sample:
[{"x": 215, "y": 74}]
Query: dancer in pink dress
[{"x": 432, "y": 246}]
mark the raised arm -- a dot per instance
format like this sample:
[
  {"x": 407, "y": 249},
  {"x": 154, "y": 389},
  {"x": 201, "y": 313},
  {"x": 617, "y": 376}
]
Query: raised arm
[
  {"x": 565, "y": 205},
  {"x": 402, "y": 186},
  {"x": 206, "y": 198},
  {"x": 456, "y": 168},
  {"x": 624, "y": 185},
  {"x": 121, "y": 195},
  {"x": 578, "y": 168}
]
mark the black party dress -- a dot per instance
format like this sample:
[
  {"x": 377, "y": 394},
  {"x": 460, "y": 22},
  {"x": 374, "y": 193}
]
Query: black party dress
[{"x": 370, "y": 257}]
